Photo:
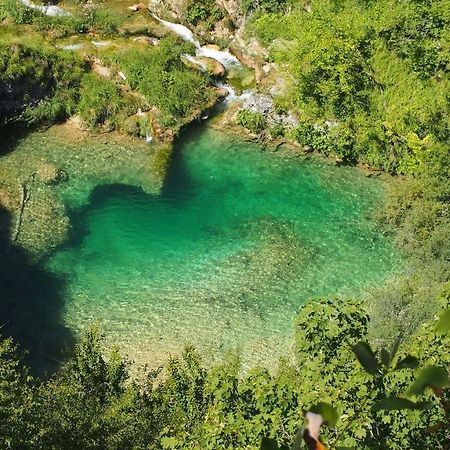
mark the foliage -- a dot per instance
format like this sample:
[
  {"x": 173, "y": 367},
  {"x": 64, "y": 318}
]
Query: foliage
[
  {"x": 43, "y": 82},
  {"x": 100, "y": 20},
  {"x": 203, "y": 11},
  {"x": 163, "y": 79},
  {"x": 377, "y": 70},
  {"x": 253, "y": 121},
  {"x": 92, "y": 403},
  {"x": 265, "y": 6},
  {"x": 100, "y": 101}
]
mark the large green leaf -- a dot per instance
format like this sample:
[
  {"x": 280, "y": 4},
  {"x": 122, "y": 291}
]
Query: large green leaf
[
  {"x": 366, "y": 357},
  {"x": 396, "y": 403},
  {"x": 329, "y": 413},
  {"x": 408, "y": 362},
  {"x": 443, "y": 325},
  {"x": 432, "y": 376}
]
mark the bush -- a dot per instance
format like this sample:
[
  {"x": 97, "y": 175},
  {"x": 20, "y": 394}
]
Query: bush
[
  {"x": 100, "y": 101},
  {"x": 43, "y": 82},
  {"x": 204, "y": 11},
  {"x": 164, "y": 80},
  {"x": 253, "y": 121}
]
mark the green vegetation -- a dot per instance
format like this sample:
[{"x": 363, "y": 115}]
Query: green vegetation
[
  {"x": 101, "y": 101},
  {"x": 204, "y": 12},
  {"x": 378, "y": 70},
  {"x": 92, "y": 403},
  {"x": 370, "y": 83},
  {"x": 40, "y": 84},
  {"x": 255, "y": 122},
  {"x": 98, "y": 20},
  {"x": 160, "y": 76}
]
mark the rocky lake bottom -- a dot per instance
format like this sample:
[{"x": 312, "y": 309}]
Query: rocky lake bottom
[{"x": 222, "y": 257}]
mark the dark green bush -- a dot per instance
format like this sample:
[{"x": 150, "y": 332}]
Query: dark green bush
[{"x": 45, "y": 83}]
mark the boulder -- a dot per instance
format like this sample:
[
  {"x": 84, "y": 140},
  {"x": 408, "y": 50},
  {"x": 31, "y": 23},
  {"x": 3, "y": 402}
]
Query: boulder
[
  {"x": 214, "y": 67},
  {"x": 146, "y": 40},
  {"x": 222, "y": 92},
  {"x": 137, "y": 7}
]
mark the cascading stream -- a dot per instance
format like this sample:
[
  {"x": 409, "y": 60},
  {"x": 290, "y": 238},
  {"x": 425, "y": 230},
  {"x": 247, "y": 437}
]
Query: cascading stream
[{"x": 228, "y": 60}]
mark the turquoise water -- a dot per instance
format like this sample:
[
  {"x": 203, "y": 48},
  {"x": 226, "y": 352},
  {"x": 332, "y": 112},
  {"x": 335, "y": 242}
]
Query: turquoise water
[{"x": 238, "y": 240}]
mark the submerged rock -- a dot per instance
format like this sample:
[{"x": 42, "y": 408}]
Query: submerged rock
[{"x": 48, "y": 173}]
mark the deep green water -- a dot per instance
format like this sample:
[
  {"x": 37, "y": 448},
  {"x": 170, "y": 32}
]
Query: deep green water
[{"x": 224, "y": 258}]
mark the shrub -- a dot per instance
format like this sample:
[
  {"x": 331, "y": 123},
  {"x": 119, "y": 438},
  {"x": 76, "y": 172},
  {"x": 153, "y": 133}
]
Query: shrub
[
  {"x": 164, "y": 80},
  {"x": 253, "y": 121},
  {"x": 100, "y": 101},
  {"x": 205, "y": 11}
]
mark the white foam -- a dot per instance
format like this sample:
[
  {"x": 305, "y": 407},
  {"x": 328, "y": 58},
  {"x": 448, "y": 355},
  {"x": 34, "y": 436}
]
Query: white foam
[
  {"x": 223, "y": 56},
  {"x": 50, "y": 10},
  {"x": 72, "y": 46}
]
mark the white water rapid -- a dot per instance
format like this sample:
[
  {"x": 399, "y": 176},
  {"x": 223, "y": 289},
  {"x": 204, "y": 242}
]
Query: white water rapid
[
  {"x": 50, "y": 10},
  {"x": 228, "y": 60}
]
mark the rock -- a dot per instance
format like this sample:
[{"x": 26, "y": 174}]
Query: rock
[
  {"x": 212, "y": 47},
  {"x": 137, "y": 7},
  {"x": 146, "y": 40},
  {"x": 100, "y": 69},
  {"x": 5, "y": 199},
  {"x": 214, "y": 67},
  {"x": 48, "y": 173},
  {"x": 222, "y": 92},
  {"x": 234, "y": 10},
  {"x": 267, "y": 68}
]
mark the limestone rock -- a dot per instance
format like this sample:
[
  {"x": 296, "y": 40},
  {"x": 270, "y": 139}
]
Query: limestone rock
[
  {"x": 48, "y": 173},
  {"x": 146, "y": 40},
  {"x": 137, "y": 7},
  {"x": 222, "y": 92},
  {"x": 5, "y": 199},
  {"x": 214, "y": 67}
]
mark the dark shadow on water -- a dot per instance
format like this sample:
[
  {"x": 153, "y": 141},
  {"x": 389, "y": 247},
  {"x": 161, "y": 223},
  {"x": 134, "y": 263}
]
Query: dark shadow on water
[
  {"x": 31, "y": 302},
  {"x": 10, "y": 136},
  {"x": 178, "y": 180}
]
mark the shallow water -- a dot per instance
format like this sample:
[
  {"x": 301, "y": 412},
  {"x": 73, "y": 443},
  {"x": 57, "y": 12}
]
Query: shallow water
[{"x": 238, "y": 240}]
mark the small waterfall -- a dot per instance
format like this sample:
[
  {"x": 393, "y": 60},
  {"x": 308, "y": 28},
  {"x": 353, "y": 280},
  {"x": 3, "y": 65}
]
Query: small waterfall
[
  {"x": 182, "y": 31},
  {"x": 223, "y": 56},
  {"x": 232, "y": 95},
  {"x": 49, "y": 10},
  {"x": 195, "y": 61}
]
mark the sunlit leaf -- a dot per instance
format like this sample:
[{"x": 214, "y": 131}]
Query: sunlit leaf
[
  {"x": 408, "y": 362},
  {"x": 397, "y": 403},
  {"x": 366, "y": 357},
  {"x": 432, "y": 376},
  {"x": 329, "y": 413},
  {"x": 443, "y": 325}
]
